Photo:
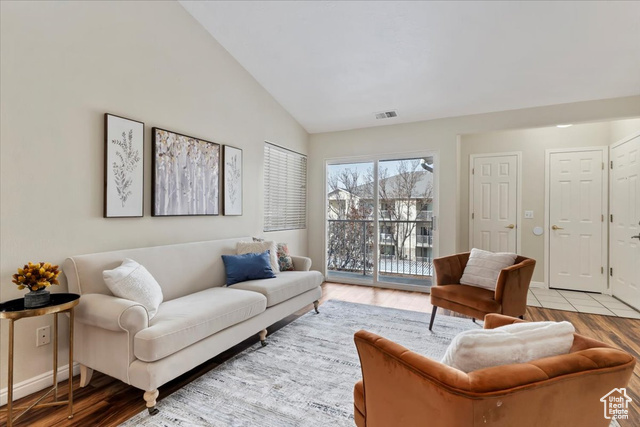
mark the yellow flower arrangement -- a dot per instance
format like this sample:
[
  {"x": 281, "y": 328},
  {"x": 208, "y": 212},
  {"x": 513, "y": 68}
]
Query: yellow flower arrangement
[{"x": 36, "y": 276}]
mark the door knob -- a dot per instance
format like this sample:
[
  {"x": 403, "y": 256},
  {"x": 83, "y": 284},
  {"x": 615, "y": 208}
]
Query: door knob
[
  {"x": 636, "y": 237},
  {"x": 511, "y": 226},
  {"x": 555, "y": 227}
]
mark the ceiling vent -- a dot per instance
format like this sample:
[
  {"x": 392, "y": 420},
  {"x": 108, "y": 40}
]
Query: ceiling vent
[{"x": 386, "y": 114}]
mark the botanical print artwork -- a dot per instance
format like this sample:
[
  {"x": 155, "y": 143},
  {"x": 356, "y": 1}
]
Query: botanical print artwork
[
  {"x": 232, "y": 181},
  {"x": 186, "y": 175},
  {"x": 128, "y": 160},
  {"x": 124, "y": 145}
]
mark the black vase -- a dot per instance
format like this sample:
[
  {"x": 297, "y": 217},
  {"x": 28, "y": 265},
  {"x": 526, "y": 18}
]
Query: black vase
[{"x": 39, "y": 298}]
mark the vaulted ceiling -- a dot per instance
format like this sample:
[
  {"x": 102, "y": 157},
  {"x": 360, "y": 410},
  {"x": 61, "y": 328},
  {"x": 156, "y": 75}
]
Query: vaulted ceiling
[{"x": 332, "y": 64}]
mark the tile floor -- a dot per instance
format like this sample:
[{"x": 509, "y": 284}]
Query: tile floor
[{"x": 581, "y": 302}]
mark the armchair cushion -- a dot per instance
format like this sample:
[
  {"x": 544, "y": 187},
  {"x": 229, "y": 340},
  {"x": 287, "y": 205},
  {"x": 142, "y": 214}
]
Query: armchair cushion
[
  {"x": 506, "y": 345},
  {"x": 471, "y": 296},
  {"x": 483, "y": 268}
]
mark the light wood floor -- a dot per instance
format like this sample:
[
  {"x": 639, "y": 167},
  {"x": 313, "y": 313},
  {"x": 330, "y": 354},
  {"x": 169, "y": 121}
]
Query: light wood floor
[{"x": 108, "y": 402}]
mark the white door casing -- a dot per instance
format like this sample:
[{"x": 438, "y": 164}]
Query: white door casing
[
  {"x": 494, "y": 202},
  {"x": 576, "y": 209},
  {"x": 624, "y": 256}
]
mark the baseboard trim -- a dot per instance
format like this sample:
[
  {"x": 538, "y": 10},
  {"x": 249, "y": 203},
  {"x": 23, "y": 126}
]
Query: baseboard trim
[
  {"x": 37, "y": 383},
  {"x": 537, "y": 285}
]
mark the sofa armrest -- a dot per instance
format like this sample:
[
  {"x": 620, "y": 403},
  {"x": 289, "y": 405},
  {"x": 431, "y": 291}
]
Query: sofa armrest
[
  {"x": 449, "y": 269},
  {"x": 301, "y": 263},
  {"x": 112, "y": 313}
]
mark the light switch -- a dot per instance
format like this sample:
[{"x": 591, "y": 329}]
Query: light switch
[{"x": 528, "y": 214}]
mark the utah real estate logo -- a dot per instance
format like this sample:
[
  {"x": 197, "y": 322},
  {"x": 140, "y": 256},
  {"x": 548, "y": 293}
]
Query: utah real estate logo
[{"x": 616, "y": 404}]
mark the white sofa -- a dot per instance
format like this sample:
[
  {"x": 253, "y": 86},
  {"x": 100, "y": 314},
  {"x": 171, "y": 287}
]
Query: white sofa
[{"x": 198, "y": 319}]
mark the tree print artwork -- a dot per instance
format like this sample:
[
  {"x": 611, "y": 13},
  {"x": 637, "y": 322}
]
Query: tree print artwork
[
  {"x": 186, "y": 175},
  {"x": 128, "y": 160}
]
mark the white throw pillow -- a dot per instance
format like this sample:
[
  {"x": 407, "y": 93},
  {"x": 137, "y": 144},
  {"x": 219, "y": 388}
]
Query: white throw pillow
[
  {"x": 483, "y": 268},
  {"x": 506, "y": 345},
  {"x": 258, "y": 248},
  {"x": 133, "y": 282}
]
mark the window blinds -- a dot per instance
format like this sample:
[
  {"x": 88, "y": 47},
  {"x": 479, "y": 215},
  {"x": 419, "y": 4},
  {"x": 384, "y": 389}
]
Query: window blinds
[{"x": 285, "y": 189}]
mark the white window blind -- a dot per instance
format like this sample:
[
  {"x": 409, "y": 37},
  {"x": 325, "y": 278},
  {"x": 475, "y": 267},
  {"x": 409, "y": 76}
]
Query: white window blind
[{"x": 285, "y": 189}]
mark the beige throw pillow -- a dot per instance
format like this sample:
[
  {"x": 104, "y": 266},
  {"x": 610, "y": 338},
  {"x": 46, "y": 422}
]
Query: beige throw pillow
[
  {"x": 133, "y": 282},
  {"x": 259, "y": 247},
  {"x": 483, "y": 268},
  {"x": 506, "y": 345}
]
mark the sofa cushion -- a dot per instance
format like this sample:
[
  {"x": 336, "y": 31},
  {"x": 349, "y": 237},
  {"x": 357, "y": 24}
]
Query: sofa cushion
[
  {"x": 286, "y": 285},
  {"x": 189, "y": 319},
  {"x": 259, "y": 247},
  {"x": 133, "y": 282},
  {"x": 240, "y": 268},
  {"x": 471, "y": 296}
]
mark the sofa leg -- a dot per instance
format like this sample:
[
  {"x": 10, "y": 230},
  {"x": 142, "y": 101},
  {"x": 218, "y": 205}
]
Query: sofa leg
[
  {"x": 521, "y": 317},
  {"x": 150, "y": 397},
  {"x": 85, "y": 375},
  {"x": 315, "y": 306},
  {"x": 473, "y": 319},
  {"x": 433, "y": 316},
  {"x": 263, "y": 337}
]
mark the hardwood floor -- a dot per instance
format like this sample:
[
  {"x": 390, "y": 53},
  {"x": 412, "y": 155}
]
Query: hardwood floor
[{"x": 109, "y": 402}]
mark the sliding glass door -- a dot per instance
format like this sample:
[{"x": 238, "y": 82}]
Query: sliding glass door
[{"x": 380, "y": 222}]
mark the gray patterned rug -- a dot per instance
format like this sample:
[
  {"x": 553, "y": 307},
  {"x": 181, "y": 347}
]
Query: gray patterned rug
[{"x": 305, "y": 376}]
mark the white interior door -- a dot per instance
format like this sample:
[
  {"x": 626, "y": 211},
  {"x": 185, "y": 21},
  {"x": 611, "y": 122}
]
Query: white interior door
[
  {"x": 625, "y": 228},
  {"x": 494, "y": 203},
  {"x": 576, "y": 218}
]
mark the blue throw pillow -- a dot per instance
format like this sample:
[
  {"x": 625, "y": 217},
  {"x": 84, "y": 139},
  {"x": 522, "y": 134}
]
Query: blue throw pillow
[{"x": 241, "y": 268}]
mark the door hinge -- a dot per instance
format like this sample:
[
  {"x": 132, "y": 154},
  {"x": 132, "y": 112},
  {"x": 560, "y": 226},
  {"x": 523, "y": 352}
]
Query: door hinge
[
  {"x": 611, "y": 271},
  {"x": 473, "y": 215},
  {"x": 611, "y": 218},
  {"x": 473, "y": 171},
  {"x": 602, "y": 218},
  {"x": 602, "y": 165},
  {"x": 611, "y": 164}
]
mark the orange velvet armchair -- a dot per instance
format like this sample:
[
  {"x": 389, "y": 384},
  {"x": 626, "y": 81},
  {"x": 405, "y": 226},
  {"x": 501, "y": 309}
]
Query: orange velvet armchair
[
  {"x": 510, "y": 296},
  {"x": 402, "y": 388}
]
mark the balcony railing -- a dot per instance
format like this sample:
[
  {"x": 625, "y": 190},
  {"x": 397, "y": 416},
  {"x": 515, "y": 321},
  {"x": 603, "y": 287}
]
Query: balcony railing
[{"x": 404, "y": 256}]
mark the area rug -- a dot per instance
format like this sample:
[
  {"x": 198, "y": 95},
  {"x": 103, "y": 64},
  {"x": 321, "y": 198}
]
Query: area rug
[{"x": 305, "y": 376}]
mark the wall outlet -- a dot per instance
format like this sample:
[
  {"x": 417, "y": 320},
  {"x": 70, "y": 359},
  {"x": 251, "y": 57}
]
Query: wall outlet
[
  {"x": 528, "y": 214},
  {"x": 43, "y": 336}
]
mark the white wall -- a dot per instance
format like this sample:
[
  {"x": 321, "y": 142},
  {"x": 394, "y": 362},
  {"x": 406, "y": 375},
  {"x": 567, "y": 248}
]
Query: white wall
[
  {"x": 623, "y": 128},
  {"x": 63, "y": 65},
  {"x": 532, "y": 143},
  {"x": 440, "y": 135}
]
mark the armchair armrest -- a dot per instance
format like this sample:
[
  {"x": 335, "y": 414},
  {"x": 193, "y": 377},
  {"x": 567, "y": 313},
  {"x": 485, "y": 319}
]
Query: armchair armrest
[
  {"x": 404, "y": 388},
  {"x": 112, "y": 313},
  {"x": 494, "y": 320},
  {"x": 449, "y": 269},
  {"x": 512, "y": 286},
  {"x": 301, "y": 263}
]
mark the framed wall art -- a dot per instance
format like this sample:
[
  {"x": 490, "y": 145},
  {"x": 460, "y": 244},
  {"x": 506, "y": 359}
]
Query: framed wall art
[
  {"x": 185, "y": 175},
  {"x": 232, "y": 180},
  {"x": 124, "y": 167}
]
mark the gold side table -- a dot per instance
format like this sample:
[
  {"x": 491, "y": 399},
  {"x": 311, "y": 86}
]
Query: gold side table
[{"x": 14, "y": 310}]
